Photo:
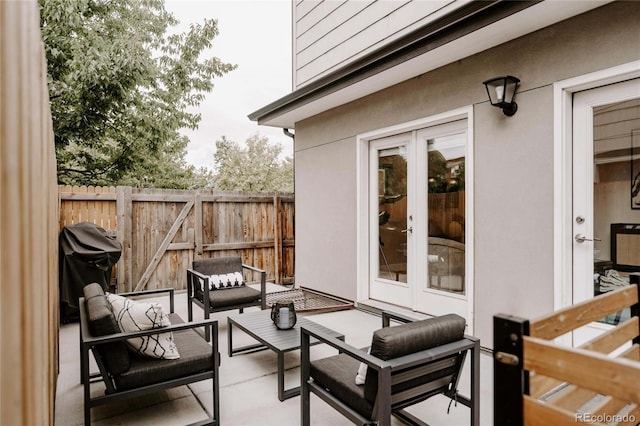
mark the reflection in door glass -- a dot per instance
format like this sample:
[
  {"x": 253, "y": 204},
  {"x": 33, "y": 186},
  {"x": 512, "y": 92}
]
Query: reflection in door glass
[
  {"x": 392, "y": 214},
  {"x": 446, "y": 213},
  {"x": 616, "y": 198}
]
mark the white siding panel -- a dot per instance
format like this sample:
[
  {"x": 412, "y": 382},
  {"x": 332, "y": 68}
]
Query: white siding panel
[
  {"x": 370, "y": 20},
  {"x": 317, "y": 14},
  {"x": 304, "y": 7},
  {"x": 340, "y": 18},
  {"x": 357, "y": 28}
]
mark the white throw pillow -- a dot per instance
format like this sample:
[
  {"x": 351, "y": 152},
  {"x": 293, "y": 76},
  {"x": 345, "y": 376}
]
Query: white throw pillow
[
  {"x": 239, "y": 280},
  {"x": 230, "y": 280},
  {"x": 138, "y": 316},
  {"x": 216, "y": 282},
  {"x": 361, "y": 375}
]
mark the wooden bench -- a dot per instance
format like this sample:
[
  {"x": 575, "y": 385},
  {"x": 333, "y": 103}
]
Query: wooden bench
[{"x": 540, "y": 382}]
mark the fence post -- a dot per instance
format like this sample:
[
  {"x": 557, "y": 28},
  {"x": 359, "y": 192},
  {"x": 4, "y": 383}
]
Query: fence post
[
  {"x": 277, "y": 235},
  {"x": 510, "y": 380},
  {"x": 124, "y": 211},
  {"x": 197, "y": 253}
]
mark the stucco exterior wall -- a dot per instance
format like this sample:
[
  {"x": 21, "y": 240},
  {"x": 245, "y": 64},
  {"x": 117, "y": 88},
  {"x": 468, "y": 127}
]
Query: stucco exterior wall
[{"x": 513, "y": 212}]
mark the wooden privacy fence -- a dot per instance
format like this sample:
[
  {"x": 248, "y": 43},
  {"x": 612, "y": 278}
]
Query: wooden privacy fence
[{"x": 162, "y": 231}]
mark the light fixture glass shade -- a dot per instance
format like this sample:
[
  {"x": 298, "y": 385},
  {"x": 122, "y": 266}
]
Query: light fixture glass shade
[{"x": 501, "y": 91}]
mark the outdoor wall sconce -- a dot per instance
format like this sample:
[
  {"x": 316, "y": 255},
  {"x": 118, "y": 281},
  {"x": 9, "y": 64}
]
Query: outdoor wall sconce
[{"x": 501, "y": 91}]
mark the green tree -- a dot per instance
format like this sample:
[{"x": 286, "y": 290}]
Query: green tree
[
  {"x": 258, "y": 168},
  {"x": 120, "y": 90}
]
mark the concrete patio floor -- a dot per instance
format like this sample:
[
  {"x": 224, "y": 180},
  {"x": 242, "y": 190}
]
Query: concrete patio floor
[{"x": 248, "y": 384}]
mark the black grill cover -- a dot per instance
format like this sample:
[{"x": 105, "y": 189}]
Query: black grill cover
[{"x": 87, "y": 255}]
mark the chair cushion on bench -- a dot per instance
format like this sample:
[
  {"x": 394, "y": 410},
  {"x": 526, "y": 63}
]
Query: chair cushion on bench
[
  {"x": 102, "y": 323},
  {"x": 195, "y": 356},
  {"x": 393, "y": 342},
  {"x": 336, "y": 373},
  {"x": 230, "y": 296}
]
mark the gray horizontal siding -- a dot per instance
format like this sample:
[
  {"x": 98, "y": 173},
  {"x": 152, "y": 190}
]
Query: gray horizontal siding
[{"x": 330, "y": 33}]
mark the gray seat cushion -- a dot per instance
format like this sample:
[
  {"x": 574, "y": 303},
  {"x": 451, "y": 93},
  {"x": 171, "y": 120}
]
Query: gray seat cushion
[
  {"x": 230, "y": 296},
  {"x": 337, "y": 375},
  {"x": 102, "y": 323},
  {"x": 195, "y": 356}
]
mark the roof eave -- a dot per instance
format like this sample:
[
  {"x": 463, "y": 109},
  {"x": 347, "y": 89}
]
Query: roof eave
[{"x": 436, "y": 35}]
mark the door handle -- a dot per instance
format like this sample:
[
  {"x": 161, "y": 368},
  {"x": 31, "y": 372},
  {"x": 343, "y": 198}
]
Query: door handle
[
  {"x": 409, "y": 230},
  {"x": 581, "y": 238}
]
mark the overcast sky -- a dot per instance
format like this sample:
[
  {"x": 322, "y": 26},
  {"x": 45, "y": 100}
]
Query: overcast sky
[{"x": 255, "y": 35}]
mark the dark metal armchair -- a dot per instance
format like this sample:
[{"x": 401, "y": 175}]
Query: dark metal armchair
[
  {"x": 240, "y": 297},
  {"x": 407, "y": 364},
  {"x": 127, "y": 375}
]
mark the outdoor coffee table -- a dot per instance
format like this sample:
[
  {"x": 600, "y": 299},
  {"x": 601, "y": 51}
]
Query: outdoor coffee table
[{"x": 259, "y": 326}]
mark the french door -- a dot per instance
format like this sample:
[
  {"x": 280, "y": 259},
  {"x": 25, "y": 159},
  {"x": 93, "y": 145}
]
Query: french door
[
  {"x": 391, "y": 216},
  {"x": 605, "y": 229},
  {"x": 417, "y": 217}
]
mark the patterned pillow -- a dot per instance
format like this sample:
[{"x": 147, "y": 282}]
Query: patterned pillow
[
  {"x": 222, "y": 281},
  {"x": 137, "y": 316}
]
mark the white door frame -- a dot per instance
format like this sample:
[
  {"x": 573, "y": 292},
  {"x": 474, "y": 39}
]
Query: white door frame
[
  {"x": 362, "y": 203},
  {"x": 562, "y": 153}
]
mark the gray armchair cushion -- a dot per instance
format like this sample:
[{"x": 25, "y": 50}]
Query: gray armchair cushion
[
  {"x": 335, "y": 374},
  {"x": 405, "y": 339},
  {"x": 230, "y": 296},
  {"x": 102, "y": 323},
  {"x": 217, "y": 266},
  {"x": 195, "y": 356}
]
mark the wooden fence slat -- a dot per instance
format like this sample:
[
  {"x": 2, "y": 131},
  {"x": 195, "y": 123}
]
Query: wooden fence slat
[
  {"x": 278, "y": 234},
  {"x": 238, "y": 246},
  {"x": 198, "y": 229},
  {"x": 540, "y": 414},
  {"x": 603, "y": 343},
  {"x": 165, "y": 243},
  {"x": 616, "y": 377},
  {"x": 124, "y": 209},
  {"x": 608, "y": 405},
  {"x": 87, "y": 196},
  {"x": 557, "y": 324},
  {"x": 614, "y": 338}
]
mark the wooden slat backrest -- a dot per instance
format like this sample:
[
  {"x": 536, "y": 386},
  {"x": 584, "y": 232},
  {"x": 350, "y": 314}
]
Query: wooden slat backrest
[
  {"x": 556, "y": 382},
  {"x": 575, "y": 316},
  {"x": 617, "y": 377}
]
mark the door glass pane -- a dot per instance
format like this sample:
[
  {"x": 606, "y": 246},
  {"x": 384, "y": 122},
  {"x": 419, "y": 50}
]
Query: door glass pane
[
  {"x": 446, "y": 213},
  {"x": 392, "y": 213},
  {"x": 616, "y": 197}
]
